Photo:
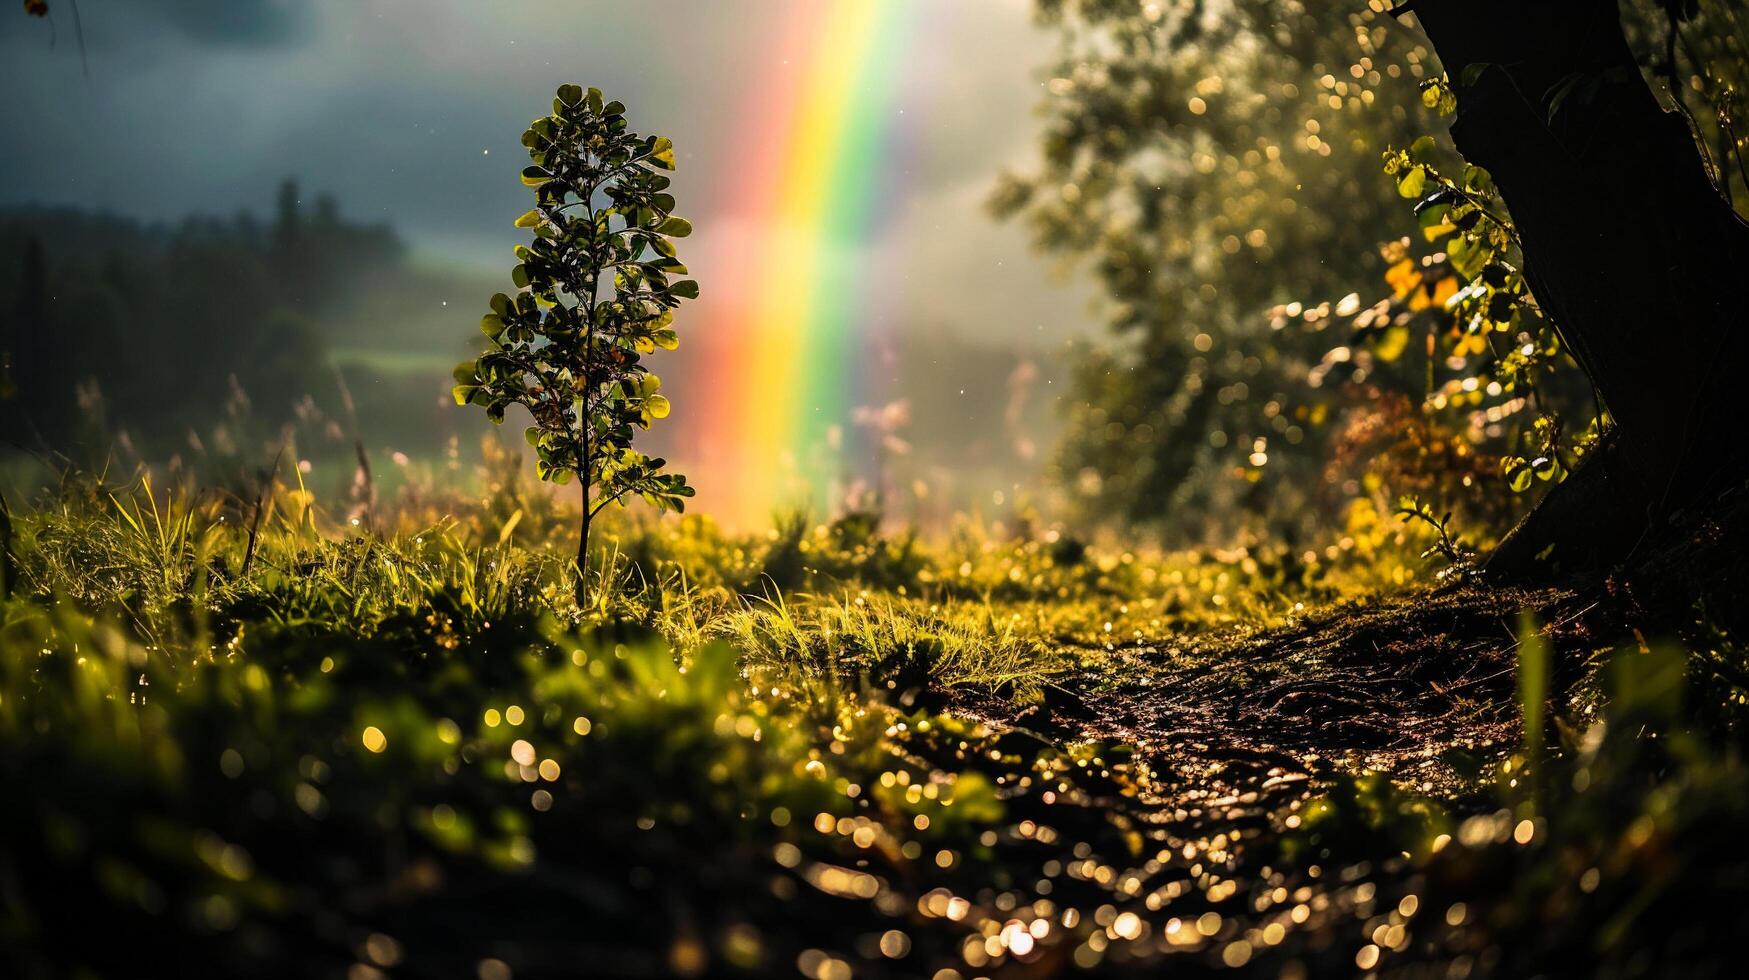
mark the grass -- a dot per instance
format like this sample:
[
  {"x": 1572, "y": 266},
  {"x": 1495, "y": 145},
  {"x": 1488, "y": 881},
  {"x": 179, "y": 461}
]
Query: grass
[{"x": 256, "y": 737}]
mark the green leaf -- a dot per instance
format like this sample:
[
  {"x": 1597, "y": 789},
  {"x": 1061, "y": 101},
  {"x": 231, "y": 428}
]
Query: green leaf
[
  {"x": 492, "y": 325},
  {"x": 675, "y": 227},
  {"x": 657, "y": 406},
  {"x": 570, "y": 94},
  {"x": 535, "y": 176},
  {"x": 685, "y": 288},
  {"x": 593, "y": 100},
  {"x": 463, "y": 393},
  {"x": 1412, "y": 183},
  {"x": 529, "y": 219},
  {"x": 1647, "y": 686},
  {"x": 1423, "y": 149},
  {"x": 465, "y": 373},
  {"x": 531, "y": 435}
]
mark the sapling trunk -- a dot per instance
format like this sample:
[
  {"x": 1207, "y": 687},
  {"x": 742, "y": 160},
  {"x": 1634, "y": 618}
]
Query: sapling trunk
[{"x": 583, "y": 552}]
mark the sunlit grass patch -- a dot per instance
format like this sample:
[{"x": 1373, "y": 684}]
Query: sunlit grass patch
[{"x": 893, "y": 641}]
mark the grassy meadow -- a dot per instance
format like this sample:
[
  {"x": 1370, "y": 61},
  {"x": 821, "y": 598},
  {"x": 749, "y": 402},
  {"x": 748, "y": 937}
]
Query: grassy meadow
[{"x": 274, "y": 738}]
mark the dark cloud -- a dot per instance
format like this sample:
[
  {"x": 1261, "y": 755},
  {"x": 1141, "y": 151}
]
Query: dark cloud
[{"x": 248, "y": 23}]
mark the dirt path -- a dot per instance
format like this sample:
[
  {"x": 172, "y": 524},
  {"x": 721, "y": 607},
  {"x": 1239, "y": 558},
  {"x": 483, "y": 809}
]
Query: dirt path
[{"x": 1238, "y": 736}]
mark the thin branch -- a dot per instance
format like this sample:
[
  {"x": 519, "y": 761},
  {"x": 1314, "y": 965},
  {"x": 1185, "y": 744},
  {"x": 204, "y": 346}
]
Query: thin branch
[{"x": 608, "y": 500}]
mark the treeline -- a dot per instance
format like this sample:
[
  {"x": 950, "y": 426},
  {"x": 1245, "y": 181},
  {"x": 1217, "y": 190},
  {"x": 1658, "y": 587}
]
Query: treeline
[{"x": 110, "y": 327}]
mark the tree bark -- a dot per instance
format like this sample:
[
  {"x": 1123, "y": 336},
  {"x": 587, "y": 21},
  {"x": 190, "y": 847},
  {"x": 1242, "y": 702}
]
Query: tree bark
[{"x": 1628, "y": 248}]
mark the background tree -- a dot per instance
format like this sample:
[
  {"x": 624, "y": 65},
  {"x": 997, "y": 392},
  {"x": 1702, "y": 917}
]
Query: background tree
[
  {"x": 596, "y": 296},
  {"x": 1215, "y": 161}
]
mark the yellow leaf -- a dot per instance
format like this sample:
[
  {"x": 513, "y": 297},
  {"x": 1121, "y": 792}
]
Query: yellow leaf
[{"x": 1403, "y": 277}]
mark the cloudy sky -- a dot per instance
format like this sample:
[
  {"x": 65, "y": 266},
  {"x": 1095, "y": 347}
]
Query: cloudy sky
[{"x": 410, "y": 111}]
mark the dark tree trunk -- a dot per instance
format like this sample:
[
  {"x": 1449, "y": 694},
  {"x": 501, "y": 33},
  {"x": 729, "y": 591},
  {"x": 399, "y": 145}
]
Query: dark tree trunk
[{"x": 1628, "y": 248}]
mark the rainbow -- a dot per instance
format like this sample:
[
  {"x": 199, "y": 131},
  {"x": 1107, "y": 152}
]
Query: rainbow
[{"x": 781, "y": 357}]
